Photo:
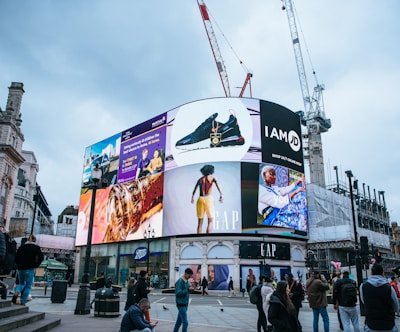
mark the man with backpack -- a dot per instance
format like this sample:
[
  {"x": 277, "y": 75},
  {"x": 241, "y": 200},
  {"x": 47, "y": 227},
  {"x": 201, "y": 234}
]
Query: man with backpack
[
  {"x": 380, "y": 302},
  {"x": 256, "y": 298},
  {"x": 345, "y": 300}
]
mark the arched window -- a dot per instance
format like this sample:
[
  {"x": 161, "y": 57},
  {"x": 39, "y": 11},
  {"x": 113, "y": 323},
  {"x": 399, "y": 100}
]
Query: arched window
[
  {"x": 220, "y": 251},
  {"x": 191, "y": 252}
]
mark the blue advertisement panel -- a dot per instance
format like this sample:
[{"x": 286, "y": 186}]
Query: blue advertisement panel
[{"x": 105, "y": 154}]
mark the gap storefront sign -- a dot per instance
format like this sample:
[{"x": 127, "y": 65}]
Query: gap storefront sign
[{"x": 261, "y": 250}]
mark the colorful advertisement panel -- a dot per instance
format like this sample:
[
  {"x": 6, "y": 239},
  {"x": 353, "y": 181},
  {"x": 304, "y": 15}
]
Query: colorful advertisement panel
[
  {"x": 193, "y": 202},
  {"x": 273, "y": 200},
  {"x": 213, "y": 156},
  {"x": 123, "y": 211},
  {"x": 142, "y": 150}
]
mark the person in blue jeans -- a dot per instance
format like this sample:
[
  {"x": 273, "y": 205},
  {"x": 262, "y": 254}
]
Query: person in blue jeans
[
  {"x": 316, "y": 287},
  {"x": 182, "y": 291},
  {"x": 28, "y": 257}
]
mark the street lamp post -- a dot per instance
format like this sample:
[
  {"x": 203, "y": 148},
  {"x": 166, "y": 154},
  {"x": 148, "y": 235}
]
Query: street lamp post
[
  {"x": 83, "y": 300},
  {"x": 357, "y": 257},
  {"x": 35, "y": 199},
  {"x": 149, "y": 234}
]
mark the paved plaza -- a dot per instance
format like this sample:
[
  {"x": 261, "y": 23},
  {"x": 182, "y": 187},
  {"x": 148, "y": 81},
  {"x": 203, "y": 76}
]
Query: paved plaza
[{"x": 208, "y": 317}]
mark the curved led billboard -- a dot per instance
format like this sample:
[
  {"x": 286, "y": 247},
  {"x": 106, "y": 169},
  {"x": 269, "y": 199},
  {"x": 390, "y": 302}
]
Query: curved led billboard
[{"x": 222, "y": 166}]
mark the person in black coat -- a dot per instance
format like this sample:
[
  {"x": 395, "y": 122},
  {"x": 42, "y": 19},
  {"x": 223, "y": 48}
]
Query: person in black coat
[
  {"x": 131, "y": 294},
  {"x": 28, "y": 257},
  {"x": 142, "y": 290},
  {"x": 282, "y": 313}
]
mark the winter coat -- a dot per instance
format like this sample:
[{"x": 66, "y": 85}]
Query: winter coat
[
  {"x": 316, "y": 292},
  {"x": 281, "y": 319},
  {"x": 134, "y": 320},
  {"x": 380, "y": 302},
  {"x": 141, "y": 289},
  {"x": 266, "y": 292},
  {"x": 297, "y": 291},
  {"x": 29, "y": 256},
  {"x": 182, "y": 292}
]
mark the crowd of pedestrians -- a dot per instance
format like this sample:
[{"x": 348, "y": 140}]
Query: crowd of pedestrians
[{"x": 280, "y": 303}]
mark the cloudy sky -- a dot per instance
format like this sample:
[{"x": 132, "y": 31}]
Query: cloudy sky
[{"x": 93, "y": 68}]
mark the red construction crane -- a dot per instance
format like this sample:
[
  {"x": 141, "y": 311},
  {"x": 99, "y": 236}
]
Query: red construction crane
[{"x": 219, "y": 61}]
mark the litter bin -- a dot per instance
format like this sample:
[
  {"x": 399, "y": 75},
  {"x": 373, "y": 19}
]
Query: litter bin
[
  {"x": 58, "y": 291},
  {"x": 106, "y": 303}
]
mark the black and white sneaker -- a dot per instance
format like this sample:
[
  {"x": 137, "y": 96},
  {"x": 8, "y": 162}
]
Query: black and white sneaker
[
  {"x": 228, "y": 134},
  {"x": 200, "y": 137},
  {"x": 212, "y": 133}
]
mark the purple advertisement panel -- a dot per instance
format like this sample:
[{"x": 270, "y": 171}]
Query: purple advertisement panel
[
  {"x": 143, "y": 150},
  {"x": 220, "y": 129},
  {"x": 202, "y": 198}
]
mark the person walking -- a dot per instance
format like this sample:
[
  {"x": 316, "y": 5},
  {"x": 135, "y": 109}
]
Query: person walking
[
  {"x": 266, "y": 292},
  {"x": 143, "y": 290},
  {"x": 393, "y": 283},
  {"x": 296, "y": 291},
  {"x": 230, "y": 287},
  {"x": 262, "y": 318},
  {"x": 345, "y": 299},
  {"x": 100, "y": 283},
  {"x": 134, "y": 320},
  {"x": 204, "y": 284},
  {"x": 28, "y": 257},
  {"x": 316, "y": 287},
  {"x": 282, "y": 313},
  {"x": 131, "y": 294},
  {"x": 182, "y": 291},
  {"x": 338, "y": 275},
  {"x": 380, "y": 302}
]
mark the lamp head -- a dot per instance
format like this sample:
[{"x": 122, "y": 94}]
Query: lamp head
[
  {"x": 349, "y": 174},
  {"x": 96, "y": 173}
]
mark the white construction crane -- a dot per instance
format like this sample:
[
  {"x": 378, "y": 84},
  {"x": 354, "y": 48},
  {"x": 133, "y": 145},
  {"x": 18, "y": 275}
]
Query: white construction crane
[
  {"x": 314, "y": 115},
  {"x": 219, "y": 61}
]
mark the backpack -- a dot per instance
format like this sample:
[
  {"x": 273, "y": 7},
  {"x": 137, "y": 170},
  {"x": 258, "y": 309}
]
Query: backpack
[
  {"x": 255, "y": 294},
  {"x": 348, "y": 294},
  {"x": 7, "y": 264}
]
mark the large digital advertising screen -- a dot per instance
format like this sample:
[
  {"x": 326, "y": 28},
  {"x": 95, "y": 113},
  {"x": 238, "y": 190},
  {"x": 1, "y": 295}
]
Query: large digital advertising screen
[{"x": 221, "y": 166}]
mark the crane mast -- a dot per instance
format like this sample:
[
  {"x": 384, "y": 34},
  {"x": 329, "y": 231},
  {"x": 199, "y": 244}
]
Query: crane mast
[
  {"x": 313, "y": 116},
  {"x": 219, "y": 61}
]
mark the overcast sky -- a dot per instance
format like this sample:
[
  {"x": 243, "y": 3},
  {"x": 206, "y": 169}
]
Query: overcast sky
[{"x": 92, "y": 68}]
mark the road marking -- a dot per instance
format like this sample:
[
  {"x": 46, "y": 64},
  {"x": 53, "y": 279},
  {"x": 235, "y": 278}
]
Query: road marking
[{"x": 159, "y": 300}]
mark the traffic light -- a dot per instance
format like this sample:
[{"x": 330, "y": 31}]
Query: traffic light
[
  {"x": 365, "y": 261},
  {"x": 378, "y": 257},
  {"x": 364, "y": 245}
]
